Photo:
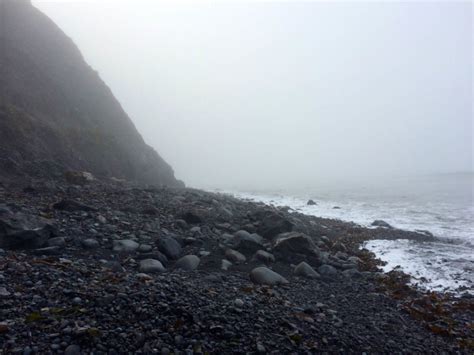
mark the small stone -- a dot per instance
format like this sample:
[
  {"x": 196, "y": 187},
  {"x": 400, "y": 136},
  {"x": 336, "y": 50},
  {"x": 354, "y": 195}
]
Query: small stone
[
  {"x": 238, "y": 302},
  {"x": 90, "y": 243},
  {"x": 4, "y": 292},
  {"x": 225, "y": 264},
  {"x": 260, "y": 348}
]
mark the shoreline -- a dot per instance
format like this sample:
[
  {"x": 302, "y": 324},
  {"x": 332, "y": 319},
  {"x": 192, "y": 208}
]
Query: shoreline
[{"x": 78, "y": 288}]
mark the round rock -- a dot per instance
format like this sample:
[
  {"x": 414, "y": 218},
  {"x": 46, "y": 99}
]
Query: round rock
[
  {"x": 151, "y": 266},
  {"x": 264, "y": 276},
  {"x": 188, "y": 262},
  {"x": 305, "y": 270}
]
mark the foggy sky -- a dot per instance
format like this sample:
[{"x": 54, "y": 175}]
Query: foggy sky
[{"x": 275, "y": 94}]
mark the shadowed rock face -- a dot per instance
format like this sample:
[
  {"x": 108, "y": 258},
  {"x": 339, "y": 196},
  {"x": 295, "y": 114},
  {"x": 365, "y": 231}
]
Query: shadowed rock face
[{"x": 56, "y": 113}]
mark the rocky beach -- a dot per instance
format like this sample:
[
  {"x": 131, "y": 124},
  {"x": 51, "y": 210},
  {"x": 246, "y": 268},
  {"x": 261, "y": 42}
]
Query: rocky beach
[{"x": 107, "y": 266}]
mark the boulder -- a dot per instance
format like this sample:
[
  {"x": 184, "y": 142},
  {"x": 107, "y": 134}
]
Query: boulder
[
  {"x": 20, "y": 231},
  {"x": 294, "y": 242},
  {"x": 169, "y": 246},
  {"x": 273, "y": 224},
  {"x": 380, "y": 223},
  {"x": 154, "y": 255},
  {"x": 305, "y": 270},
  {"x": 311, "y": 203},
  {"x": 235, "y": 256},
  {"x": 125, "y": 246},
  {"x": 244, "y": 241},
  {"x": 327, "y": 270},
  {"x": 151, "y": 266},
  {"x": 72, "y": 206},
  {"x": 192, "y": 217},
  {"x": 264, "y": 256},
  {"x": 188, "y": 262},
  {"x": 264, "y": 276}
]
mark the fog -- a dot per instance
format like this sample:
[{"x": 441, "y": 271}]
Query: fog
[{"x": 280, "y": 94}]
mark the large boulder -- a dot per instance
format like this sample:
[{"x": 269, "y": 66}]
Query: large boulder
[
  {"x": 188, "y": 262},
  {"x": 169, "y": 246},
  {"x": 19, "y": 231},
  {"x": 273, "y": 224},
  {"x": 294, "y": 243},
  {"x": 265, "y": 276},
  {"x": 245, "y": 242},
  {"x": 305, "y": 270}
]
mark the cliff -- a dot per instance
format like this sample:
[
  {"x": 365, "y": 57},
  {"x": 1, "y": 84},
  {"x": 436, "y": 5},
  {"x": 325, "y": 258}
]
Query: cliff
[{"x": 56, "y": 113}]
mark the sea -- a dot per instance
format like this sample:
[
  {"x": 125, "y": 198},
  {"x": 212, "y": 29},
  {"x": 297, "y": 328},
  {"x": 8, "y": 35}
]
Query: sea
[{"x": 441, "y": 204}]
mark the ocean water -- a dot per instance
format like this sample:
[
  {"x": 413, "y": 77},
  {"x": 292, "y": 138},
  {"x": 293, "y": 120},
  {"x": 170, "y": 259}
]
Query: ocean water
[{"x": 441, "y": 204}]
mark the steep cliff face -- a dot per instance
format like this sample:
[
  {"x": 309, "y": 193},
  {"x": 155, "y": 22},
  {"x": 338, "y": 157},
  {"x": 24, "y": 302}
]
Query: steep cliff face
[{"x": 55, "y": 111}]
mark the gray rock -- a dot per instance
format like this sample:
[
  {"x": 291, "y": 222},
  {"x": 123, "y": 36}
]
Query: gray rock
[
  {"x": 169, "y": 246},
  {"x": 151, "y": 266},
  {"x": 305, "y": 270},
  {"x": 90, "y": 243},
  {"x": 73, "y": 350},
  {"x": 294, "y": 242},
  {"x": 225, "y": 264},
  {"x": 311, "y": 203},
  {"x": 238, "y": 303},
  {"x": 273, "y": 224},
  {"x": 265, "y": 276},
  {"x": 380, "y": 223},
  {"x": 354, "y": 260},
  {"x": 57, "y": 241},
  {"x": 144, "y": 248},
  {"x": 125, "y": 246},
  {"x": 20, "y": 231},
  {"x": 352, "y": 273},
  {"x": 188, "y": 262},
  {"x": 4, "y": 293},
  {"x": 235, "y": 256},
  {"x": 327, "y": 270},
  {"x": 264, "y": 256}
]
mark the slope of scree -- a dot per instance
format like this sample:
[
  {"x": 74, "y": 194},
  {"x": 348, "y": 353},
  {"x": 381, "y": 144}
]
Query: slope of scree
[{"x": 57, "y": 114}]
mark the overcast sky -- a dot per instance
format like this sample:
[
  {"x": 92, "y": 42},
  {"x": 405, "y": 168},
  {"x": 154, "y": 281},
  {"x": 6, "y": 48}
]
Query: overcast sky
[{"x": 275, "y": 94}]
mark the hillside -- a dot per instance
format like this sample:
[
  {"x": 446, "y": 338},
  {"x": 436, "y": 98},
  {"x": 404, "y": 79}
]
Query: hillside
[{"x": 56, "y": 113}]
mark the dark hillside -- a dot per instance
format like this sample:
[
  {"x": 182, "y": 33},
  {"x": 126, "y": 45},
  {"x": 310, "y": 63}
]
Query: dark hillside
[{"x": 56, "y": 111}]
